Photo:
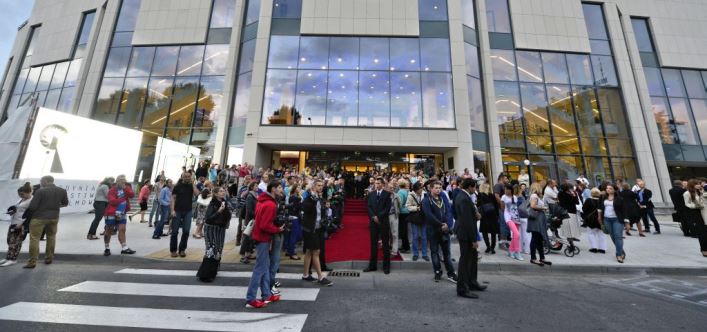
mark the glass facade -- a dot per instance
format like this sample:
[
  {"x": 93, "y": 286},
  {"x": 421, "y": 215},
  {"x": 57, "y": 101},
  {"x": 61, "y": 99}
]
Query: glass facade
[
  {"x": 678, "y": 101},
  {"x": 562, "y": 112}
]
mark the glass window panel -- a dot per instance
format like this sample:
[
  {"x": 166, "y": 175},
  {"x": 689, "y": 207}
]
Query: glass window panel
[
  {"x": 157, "y": 106},
  {"x": 570, "y": 167},
  {"x": 472, "y": 60},
  {"x": 598, "y": 170},
  {"x": 122, "y": 39},
  {"x": 374, "y": 54},
  {"x": 314, "y": 53},
  {"x": 247, "y": 55},
  {"x": 21, "y": 79},
  {"x": 687, "y": 132},
  {"x": 587, "y": 110},
  {"x": 205, "y": 140},
  {"x": 73, "y": 74},
  {"x": 374, "y": 99},
  {"x": 497, "y": 16},
  {"x": 240, "y": 113},
  {"x": 561, "y": 112},
  {"x": 594, "y": 17},
  {"x": 343, "y": 53},
  {"x": 508, "y": 107},
  {"x": 222, "y": 13},
  {"x": 535, "y": 109},
  {"x": 438, "y": 105},
  {"x": 699, "y": 110},
  {"x": 567, "y": 145},
  {"x": 52, "y": 99},
  {"x": 252, "y": 12},
  {"x": 45, "y": 78},
  {"x": 167, "y": 64},
  {"x": 128, "y": 15},
  {"x": 141, "y": 61},
  {"x": 190, "y": 60},
  {"x": 620, "y": 147},
  {"x": 476, "y": 104},
  {"x": 580, "y": 69},
  {"x": 184, "y": 99},
  {"x": 604, "y": 71},
  {"x": 431, "y": 10},
  {"x": 279, "y": 104},
  {"x": 654, "y": 81},
  {"x": 530, "y": 67},
  {"x": 287, "y": 8},
  {"x": 32, "y": 80},
  {"x": 663, "y": 119},
  {"x": 133, "y": 102},
  {"x": 594, "y": 146},
  {"x": 513, "y": 142},
  {"x": 117, "y": 62},
  {"x": 404, "y": 54},
  {"x": 673, "y": 83},
  {"x": 612, "y": 112},
  {"x": 210, "y": 105},
  {"x": 86, "y": 28},
  {"x": 342, "y": 101},
  {"x": 283, "y": 52},
  {"x": 311, "y": 96},
  {"x": 694, "y": 84},
  {"x": 215, "y": 60},
  {"x": 59, "y": 75},
  {"x": 434, "y": 54},
  {"x": 539, "y": 144},
  {"x": 13, "y": 103},
  {"x": 624, "y": 168},
  {"x": 406, "y": 103},
  {"x": 66, "y": 100},
  {"x": 555, "y": 68},
  {"x": 600, "y": 47},
  {"x": 181, "y": 135},
  {"x": 108, "y": 100},
  {"x": 219, "y": 36},
  {"x": 643, "y": 36},
  {"x": 504, "y": 65},
  {"x": 468, "y": 11}
]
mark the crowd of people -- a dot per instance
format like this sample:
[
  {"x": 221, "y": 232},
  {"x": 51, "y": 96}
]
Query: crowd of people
[{"x": 418, "y": 213}]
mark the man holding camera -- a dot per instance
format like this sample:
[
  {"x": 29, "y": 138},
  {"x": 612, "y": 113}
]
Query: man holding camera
[{"x": 313, "y": 214}]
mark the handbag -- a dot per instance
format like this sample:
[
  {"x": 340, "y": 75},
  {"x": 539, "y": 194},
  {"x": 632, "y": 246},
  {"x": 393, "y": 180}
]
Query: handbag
[
  {"x": 488, "y": 208},
  {"x": 417, "y": 217},
  {"x": 604, "y": 229},
  {"x": 249, "y": 228}
]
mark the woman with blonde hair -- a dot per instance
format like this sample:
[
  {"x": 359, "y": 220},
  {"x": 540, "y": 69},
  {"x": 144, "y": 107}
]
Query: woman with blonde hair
[{"x": 537, "y": 225}]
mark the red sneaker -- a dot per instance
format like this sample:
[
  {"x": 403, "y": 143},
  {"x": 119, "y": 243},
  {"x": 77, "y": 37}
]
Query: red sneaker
[
  {"x": 255, "y": 304},
  {"x": 272, "y": 298}
]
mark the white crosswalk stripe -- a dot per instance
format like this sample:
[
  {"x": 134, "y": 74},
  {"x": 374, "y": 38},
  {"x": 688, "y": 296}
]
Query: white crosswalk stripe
[{"x": 166, "y": 318}]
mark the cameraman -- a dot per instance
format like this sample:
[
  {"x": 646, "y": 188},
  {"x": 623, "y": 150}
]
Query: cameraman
[{"x": 313, "y": 214}]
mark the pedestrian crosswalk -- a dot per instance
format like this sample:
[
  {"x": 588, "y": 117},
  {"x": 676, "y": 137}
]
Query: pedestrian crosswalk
[{"x": 141, "y": 287}]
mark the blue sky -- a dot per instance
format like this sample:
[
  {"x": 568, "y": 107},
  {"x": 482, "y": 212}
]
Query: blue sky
[{"x": 13, "y": 13}]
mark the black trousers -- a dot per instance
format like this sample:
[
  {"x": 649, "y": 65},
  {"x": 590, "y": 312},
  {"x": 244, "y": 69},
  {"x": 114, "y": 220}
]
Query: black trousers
[
  {"x": 322, "y": 249},
  {"x": 536, "y": 245},
  {"x": 648, "y": 213},
  {"x": 468, "y": 268},
  {"x": 100, "y": 208},
  {"x": 380, "y": 230},
  {"x": 700, "y": 230},
  {"x": 403, "y": 231}
]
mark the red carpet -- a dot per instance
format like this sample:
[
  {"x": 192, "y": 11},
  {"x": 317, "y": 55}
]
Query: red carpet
[{"x": 353, "y": 242}]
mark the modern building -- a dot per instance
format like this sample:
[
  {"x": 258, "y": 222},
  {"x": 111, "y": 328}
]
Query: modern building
[{"x": 612, "y": 88}]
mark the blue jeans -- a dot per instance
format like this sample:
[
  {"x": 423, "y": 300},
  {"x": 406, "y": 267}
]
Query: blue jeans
[
  {"x": 261, "y": 274},
  {"x": 183, "y": 220},
  {"x": 437, "y": 241},
  {"x": 159, "y": 224},
  {"x": 419, "y": 233},
  {"x": 616, "y": 231},
  {"x": 156, "y": 211},
  {"x": 292, "y": 237},
  {"x": 275, "y": 252}
]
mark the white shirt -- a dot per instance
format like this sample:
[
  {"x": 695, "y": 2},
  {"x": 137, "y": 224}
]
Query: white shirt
[
  {"x": 550, "y": 195},
  {"x": 609, "y": 211}
]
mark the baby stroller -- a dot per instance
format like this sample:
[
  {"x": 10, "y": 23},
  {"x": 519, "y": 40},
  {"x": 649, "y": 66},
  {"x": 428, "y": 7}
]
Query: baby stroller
[{"x": 557, "y": 243}]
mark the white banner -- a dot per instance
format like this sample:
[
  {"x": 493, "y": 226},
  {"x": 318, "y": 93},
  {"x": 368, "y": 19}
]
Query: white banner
[{"x": 80, "y": 192}]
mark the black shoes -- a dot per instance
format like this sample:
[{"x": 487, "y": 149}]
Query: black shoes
[
  {"x": 106, "y": 252},
  {"x": 127, "y": 251},
  {"x": 438, "y": 276},
  {"x": 479, "y": 287},
  {"x": 468, "y": 295},
  {"x": 156, "y": 237},
  {"x": 386, "y": 270},
  {"x": 594, "y": 250},
  {"x": 370, "y": 269}
]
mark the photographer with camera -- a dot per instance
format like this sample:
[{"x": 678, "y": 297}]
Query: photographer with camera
[{"x": 313, "y": 214}]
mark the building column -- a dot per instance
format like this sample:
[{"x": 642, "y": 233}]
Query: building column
[{"x": 648, "y": 149}]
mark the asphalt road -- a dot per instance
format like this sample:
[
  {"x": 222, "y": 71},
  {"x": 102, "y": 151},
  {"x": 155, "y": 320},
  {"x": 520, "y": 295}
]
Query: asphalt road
[{"x": 402, "y": 301}]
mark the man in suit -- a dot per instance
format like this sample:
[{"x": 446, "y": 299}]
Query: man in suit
[
  {"x": 379, "y": 204},
  {"x": 468, "y": 237},
  {"x": 644, "y": 200},
  {"x": 679, "y": 206}
]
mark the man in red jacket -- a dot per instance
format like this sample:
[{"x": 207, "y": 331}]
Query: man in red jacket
[
  {"x": 118, "y": 206},
  {"x": 263, "y": 229}
]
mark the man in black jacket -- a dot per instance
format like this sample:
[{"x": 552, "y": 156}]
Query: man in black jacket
[
  {"x": 467, "y": 234},
  {"x": 646, "y": 204},
  {"x": 379, "y": 204},
  {"x": 679, "y": 205}
]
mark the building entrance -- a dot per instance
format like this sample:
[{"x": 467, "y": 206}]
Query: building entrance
[{"x": 357, "y": 161}]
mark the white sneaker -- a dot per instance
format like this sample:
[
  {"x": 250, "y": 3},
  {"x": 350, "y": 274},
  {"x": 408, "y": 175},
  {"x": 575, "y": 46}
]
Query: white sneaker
[
  {"x": 517, "y": 256},
  {"x": 8, "y": 263},
  {"x": 275, "y": 291},
  {"x": 3, "y": 261}
]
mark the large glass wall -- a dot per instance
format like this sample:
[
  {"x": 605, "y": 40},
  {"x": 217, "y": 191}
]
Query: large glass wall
[
  {"x": 563, "y": 112},
  {"x": 174, "y": 92},
  {"x": 678, "y": 101}
]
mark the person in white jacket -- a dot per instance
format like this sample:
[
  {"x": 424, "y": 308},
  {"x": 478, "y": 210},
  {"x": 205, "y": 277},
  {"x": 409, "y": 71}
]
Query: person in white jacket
[{"x": 202, "y": 204}]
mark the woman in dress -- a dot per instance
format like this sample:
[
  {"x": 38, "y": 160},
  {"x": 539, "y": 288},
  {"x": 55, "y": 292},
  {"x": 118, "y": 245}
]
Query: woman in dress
[
  {"x": 568, "y": 200},
  {"x": 218, "y": 217},
  {"x": 202, "y": 204},
  {"x": 591, "y": 209},
  {"x": 489, "y": 209},
  {"x": 631, "y": 210}
]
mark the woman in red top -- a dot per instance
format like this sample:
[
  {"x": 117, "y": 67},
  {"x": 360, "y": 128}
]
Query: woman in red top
[{"x": 143, "y": 197}]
